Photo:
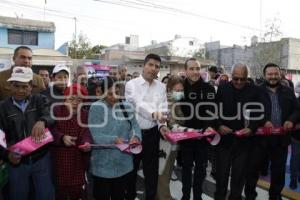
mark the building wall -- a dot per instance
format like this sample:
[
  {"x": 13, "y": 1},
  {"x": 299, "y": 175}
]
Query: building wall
[
  {"x": 119, "y": 54},
  {"x": 285, "y": 52},
  {"x": 293, "y": 61},
  {"x": 45, "y": 40},
  {"x": 176, "y": 69}
]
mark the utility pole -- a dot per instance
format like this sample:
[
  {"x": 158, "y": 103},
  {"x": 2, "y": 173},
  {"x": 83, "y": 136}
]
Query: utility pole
[
  {"x": 75, "y": 37},
  {"x": 45, "y": 10},
  {"x": 260, "y": 20}
]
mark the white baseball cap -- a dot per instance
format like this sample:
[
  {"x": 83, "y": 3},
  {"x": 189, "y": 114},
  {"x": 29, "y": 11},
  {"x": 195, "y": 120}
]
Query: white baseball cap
[
  {"x": 59, "y": 68},
  {"x": 21, "y": 74}
]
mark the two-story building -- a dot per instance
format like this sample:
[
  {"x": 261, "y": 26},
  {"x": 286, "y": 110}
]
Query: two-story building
[{"x": 38, "y": 35}]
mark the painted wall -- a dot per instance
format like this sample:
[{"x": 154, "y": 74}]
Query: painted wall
[{"x": 46, "y": 40}]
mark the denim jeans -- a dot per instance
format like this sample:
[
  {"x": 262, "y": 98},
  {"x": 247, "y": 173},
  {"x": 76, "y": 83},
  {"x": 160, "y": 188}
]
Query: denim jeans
[{"x": 37, "y": 175}]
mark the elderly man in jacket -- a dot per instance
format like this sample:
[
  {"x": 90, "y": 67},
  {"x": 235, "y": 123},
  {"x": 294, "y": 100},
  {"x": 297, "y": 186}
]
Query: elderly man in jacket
[{"x": 22, "y": 115}]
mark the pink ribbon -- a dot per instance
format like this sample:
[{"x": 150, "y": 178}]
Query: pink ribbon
[
  {"x": 2, "y": 139},
  {"x": 134, "y": 148},
  {"x": 28, "y": 145},
  {"x": 211, "y": 135},
  {"x": 264, "y": 131}
]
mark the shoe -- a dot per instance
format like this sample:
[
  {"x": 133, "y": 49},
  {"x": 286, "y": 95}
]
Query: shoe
[{"x": 293, "y": 184}]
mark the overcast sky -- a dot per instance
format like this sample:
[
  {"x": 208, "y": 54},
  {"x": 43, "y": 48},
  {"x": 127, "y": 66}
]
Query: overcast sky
[{"x": 107, "y": 22}]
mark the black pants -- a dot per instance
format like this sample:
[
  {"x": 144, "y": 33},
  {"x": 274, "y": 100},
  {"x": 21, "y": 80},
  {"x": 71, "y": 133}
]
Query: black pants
[
  {"x": 149, "y": 158},
  {"x": 194, "y": 153},
  {"x": 109, "y": 188},
  {"x": 278, "y": 155},
  {"x": 231, "y": 156}
]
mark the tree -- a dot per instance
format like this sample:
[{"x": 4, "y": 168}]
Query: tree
[
  {"x": 268, "y": 50},
  {"x": 84, "y": 48},
  {"x": 98, "y": 49},
  {"x": 273, "y": 31},
  {"x": 200, "y": 54}
]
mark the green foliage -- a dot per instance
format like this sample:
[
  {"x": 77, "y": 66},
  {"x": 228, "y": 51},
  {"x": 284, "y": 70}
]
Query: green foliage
[{"x": 83, "y": 48}]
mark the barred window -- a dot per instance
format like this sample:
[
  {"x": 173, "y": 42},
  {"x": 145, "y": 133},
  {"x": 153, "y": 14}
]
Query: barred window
[{"x": 22, "y": 37}]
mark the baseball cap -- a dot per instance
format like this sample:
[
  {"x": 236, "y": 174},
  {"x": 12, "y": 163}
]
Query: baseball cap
[
  {"x": 21, "y": 74},
  {"x": 59, "y": 68}
]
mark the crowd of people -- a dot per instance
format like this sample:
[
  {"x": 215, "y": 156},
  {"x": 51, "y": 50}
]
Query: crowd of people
[{"x": 90, "y": 117}]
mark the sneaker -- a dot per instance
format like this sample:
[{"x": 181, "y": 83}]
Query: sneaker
[{"x": 293, "y": 184}]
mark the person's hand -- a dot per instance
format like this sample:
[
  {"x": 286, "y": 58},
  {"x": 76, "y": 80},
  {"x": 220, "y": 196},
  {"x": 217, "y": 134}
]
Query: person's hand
[
  {"x": 134, "y": 140},
  {"x": 69, "y": 140},
  {"x": 14, "y": 158},
  {"x": 160, "y": 116},
  {"x": 224, "y": 130},
  {"x": 268, "y": 127},
  {"x": 86, "y": 147},
  {"x": 288, "y": 125},
  {"x": 245, "y": 132},
  {"x": 268, "y": 124},
  {"x": 38, "y": 130},
  {"x": 208, "y": 129},
  {"x": 164, "y": 130},
  {"x": 119, "y": 141}
]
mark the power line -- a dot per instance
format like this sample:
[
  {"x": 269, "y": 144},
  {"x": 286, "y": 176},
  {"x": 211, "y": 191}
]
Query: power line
[
  {"x": 136, "y": 4},
  {"x": 92, "y": 20},
  {"x": 197, "y": 15},
  {"x": 159, "y": 7},
  {"x": 61, "y": 13}
]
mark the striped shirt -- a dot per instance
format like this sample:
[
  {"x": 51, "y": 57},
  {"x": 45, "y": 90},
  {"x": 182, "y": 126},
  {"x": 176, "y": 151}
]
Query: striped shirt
[{"x": 276, "y": 110}]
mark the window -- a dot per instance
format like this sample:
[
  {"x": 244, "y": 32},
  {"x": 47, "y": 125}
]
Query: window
[{"x": 22, "y": 37}]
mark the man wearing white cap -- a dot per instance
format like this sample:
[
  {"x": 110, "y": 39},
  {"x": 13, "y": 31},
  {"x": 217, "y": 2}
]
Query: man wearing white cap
[
  {"x": 60, "y": 79},
  {"x": 22, "y": 57},
  {"x": 25, "y": 114}
]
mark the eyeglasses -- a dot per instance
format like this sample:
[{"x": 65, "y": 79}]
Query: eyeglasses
[{"x": 239, "y": 79}]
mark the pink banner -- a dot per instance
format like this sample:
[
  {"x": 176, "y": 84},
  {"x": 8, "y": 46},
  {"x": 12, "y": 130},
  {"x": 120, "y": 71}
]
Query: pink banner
[{"x": 28, "y": 145}]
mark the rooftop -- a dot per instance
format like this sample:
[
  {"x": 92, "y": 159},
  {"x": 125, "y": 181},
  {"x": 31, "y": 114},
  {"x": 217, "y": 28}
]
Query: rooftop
[{"x": 26, "y": 24}]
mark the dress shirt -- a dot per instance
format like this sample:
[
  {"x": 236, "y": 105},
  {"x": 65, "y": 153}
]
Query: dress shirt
[{"x": 147, "y": 98}]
